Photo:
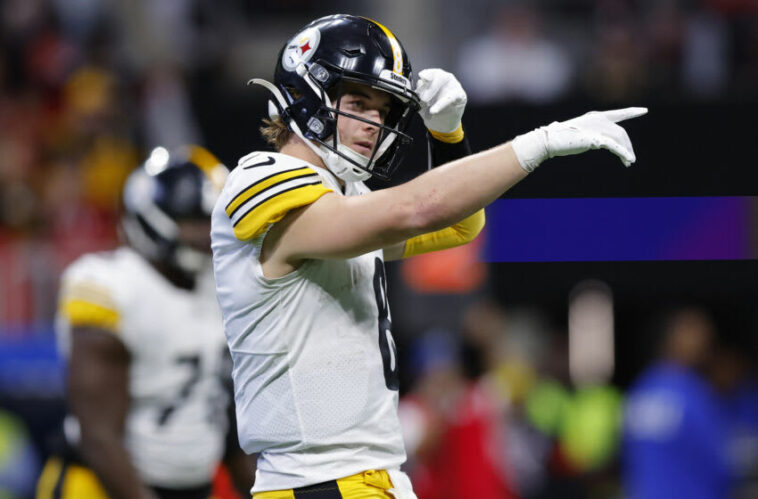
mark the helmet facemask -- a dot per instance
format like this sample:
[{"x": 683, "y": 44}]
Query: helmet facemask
[
  {"x": 391, "y": 140},
  {"x": 320, "y": 132},
  {"x": 312, "y": 69}
]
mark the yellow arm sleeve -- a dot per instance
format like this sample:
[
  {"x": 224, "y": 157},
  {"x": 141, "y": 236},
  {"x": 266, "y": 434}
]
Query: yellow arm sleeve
[{"x": 461, "y": 233}]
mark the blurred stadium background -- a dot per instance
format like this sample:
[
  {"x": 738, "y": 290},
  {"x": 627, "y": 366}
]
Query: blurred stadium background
[{"x": 550, "y": 317}]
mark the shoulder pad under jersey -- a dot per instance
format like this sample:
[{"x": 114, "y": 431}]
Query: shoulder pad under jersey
[
  {"x": 88, "y": 295},
  {"x": 264, "y": 187}
]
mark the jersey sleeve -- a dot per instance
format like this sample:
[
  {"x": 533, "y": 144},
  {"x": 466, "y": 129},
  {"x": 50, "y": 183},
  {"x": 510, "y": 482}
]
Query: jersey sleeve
[
  {"x": 265, "y": 189},
  {"x": 87, "y": 298}
]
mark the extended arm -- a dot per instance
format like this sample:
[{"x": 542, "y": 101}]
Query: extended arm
[
  {"x": 342, "y": 227},
  {"x": 99, "y": 398}
]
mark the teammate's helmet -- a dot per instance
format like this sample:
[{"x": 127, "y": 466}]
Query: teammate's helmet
[
  {"x": 168, "y": 188},
  {"x": 311, "y": 69}
]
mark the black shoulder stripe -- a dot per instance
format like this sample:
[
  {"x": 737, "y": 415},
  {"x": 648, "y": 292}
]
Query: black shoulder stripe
[
  {"x": 275, "y": 185},
  {"x": 277, "y": 194},
  {"x": 251, "y": 186}
]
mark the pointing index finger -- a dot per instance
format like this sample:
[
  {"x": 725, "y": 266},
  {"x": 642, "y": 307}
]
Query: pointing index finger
[{"x": 616, "y": 115}]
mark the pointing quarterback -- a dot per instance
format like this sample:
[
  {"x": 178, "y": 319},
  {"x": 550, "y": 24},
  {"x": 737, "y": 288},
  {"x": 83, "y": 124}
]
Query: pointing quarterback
[{"x": 299, "y": 245}]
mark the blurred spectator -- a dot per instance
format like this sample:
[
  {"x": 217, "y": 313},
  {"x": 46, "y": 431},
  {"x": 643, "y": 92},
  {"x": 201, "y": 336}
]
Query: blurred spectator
[
  {"x": 616, "y": 69},
  {"x": 706, "y": 64},
  {"x": 729, "y": 371},
  {"x": 515, "y": 60},
  {"x": 733, "y": 7},
  {"x": 745, "y": 74},
  {"x": 511, "y": 353},
  {"x": 80, "y": 19},
  {"x": 168, "y": 117},
  {"x": 664, "y": 26},
  {"x": 590, "y": 429},
  {"x": 573, "y": 430},
  {"x": 452, "y": 428},
  {"x": 675, "y": 435}
]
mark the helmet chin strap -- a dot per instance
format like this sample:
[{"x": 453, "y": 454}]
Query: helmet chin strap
[
  {"x": 343, "y": 168},
  {"x": 338, "y": 165}
]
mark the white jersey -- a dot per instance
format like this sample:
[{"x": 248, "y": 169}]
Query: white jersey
[
  {"x": 176, "y": 425},
  {"x": 315, "y": 368}
]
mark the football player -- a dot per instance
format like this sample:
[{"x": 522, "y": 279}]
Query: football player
[
  {"x": 299, "y": 244},
  {"x": 147, "y": 359}
]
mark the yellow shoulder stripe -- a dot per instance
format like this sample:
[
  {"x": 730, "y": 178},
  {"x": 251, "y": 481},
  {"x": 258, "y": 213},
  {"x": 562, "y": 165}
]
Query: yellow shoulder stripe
[
  {"x": 266, "y": 183},
  {"x": 89, "y": 291},
  {"x": 273, "y": 209},
  {"x": 80, "y": 312}
]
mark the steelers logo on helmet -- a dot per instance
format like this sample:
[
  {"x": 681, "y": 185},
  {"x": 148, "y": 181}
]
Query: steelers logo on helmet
[
  {"x": 300, "y": 48},
  {"x": 312, "y": 73}
]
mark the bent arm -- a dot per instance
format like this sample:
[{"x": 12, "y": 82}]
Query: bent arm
[{"x": 99, "y": 398}]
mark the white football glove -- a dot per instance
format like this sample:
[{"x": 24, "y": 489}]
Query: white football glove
[
  {"x": 594, "y": 130},
  {"x": 442, "y": 100}
]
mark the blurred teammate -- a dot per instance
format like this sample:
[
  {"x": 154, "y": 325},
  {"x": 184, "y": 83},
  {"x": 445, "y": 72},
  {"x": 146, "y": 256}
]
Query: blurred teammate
[
  {"x": 147, "y": 359},
  {"x": 299, "y": 245}
]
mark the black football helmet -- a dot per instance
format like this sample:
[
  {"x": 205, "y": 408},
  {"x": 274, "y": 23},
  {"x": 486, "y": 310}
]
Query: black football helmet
[
  {"x": 167, "y": 188},
  {"x": 310, "y": 72}
]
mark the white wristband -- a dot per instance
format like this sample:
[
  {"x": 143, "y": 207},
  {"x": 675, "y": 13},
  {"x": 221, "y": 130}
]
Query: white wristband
[{"x": 531, "y": 148}]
